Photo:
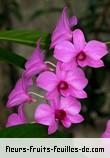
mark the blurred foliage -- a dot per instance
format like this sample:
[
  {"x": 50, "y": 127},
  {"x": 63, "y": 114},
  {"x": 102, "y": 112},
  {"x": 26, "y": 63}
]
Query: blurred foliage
[
  {"x": 9, "y": 8},
  {"x": 41, "y": 12},
  {"x": 15, "y": 10},
  {"x": 12, "y": 58},
  {"x": 96, "y": 23}
]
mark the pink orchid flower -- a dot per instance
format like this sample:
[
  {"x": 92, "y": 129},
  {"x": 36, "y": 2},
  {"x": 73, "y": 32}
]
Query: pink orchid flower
[
  {"x": 16, "y": 119},
  {"x": 63, "y": 28},
  {"x": 36, "y": 63},
  {"x": 65, "y": 83},
  {"x": 106, "y": 134},
  {"x": 80, "y": 52},
  {"x": 65, "y": 111},
  {"x": 19, "y": 94}
]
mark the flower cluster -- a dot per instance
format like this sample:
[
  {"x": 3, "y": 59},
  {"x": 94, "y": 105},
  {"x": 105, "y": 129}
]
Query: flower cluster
[{"x": 63, "y": 82}]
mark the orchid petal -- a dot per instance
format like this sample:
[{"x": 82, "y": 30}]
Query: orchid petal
[
  {"x": 16, "y": 119},
  {"x": 35, "y": 63},
  {"x": 76, "y": 118},
  {"x": 66, "y": 122},
  {"x": 47, "y": 80},
  {"x": 77, "y": 79},
  {"x": 70, "y": 105},
  {"x": 73, "y": 21},
  {"x": 44, "y": 114},
  {"x": 79, "y": 40},
  {"x": 19, "y": 94},
  {"x": 62, "y": 30},
  {"x": 96, "y": 49},
  {"x": 81, "y": 94},
  {"x": 64, "y": 51},
  {"x": 52, "y": 127}
]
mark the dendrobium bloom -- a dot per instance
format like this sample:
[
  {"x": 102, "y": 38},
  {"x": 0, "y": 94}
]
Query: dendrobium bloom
[
  {"x": 16, "y": 119},
  {"x": 35, "y": 63},
  {"x": 63, "y": 28},
  {"x": 19, "y": 94},
  {"x": 65, "y": 111},
  {"x": 65, "y": 83},
  {"x": 80, "y": 52},
  {"x": 106, "y": 134}
]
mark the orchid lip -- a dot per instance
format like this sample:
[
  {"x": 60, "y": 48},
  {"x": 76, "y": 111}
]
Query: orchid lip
[
  {"x": 81, "y": 56},
  {"x": 63, "y": 85},
  {"x": 60, "y": 114}
]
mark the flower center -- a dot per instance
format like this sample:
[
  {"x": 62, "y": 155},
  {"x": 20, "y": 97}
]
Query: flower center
[
  {"x": 62, "y": 85},
  {"x": 81, "y": 56},
  {"x": 60, "y": 114}
]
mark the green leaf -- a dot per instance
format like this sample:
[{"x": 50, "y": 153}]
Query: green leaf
[
  {"x": 27, "y": 37},
  {"x": 12, "y": 58},
  {"x": 29, "y": 131}
]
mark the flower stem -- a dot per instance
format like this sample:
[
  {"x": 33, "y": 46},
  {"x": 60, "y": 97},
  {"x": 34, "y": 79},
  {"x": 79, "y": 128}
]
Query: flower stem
[
  {"x": 107, "y": 42},
  {"x": 32, "y": 122},
  {"x": 50, "y": 63},
  {"x": 51, "y": 69},
  {"x": 36, "y": 94}
]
